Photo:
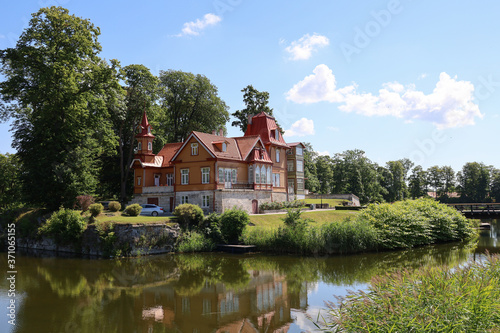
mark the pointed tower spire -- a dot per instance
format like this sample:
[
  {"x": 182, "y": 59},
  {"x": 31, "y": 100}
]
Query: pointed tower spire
[{"x": 144, "y": 140}]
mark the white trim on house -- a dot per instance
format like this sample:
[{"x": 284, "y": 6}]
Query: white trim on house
[{"x": 186, "y": 142}]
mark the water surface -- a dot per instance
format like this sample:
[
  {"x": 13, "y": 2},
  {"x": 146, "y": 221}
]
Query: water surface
[{"x": 201, "y": 292}]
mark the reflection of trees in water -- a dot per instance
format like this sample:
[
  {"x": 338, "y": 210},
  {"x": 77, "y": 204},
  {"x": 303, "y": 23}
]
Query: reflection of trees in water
[{"x": 78, "y": 295}]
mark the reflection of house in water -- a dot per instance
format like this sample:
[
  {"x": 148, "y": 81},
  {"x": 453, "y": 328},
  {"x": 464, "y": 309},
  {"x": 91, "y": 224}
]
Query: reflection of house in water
[{"x": 263, "y": 305}]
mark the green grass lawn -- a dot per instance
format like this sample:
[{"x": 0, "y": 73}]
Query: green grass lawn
[
  {"x": 272, "y": 221},
  {"x": 331, "y": 202}
]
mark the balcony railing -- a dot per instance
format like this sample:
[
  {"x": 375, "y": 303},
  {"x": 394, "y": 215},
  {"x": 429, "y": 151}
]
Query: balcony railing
[{"x": 158, "y": 189}]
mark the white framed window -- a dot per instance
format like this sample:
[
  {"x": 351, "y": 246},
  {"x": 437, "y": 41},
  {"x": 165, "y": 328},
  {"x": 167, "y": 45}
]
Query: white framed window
[
  {"x": 221, "y": 175},
  {"x": 276, "y": 179},
  {"x": 269, "y": 174},
  {"x": 263, "y": 175},
  {"x": 277, "y": 155},
  {"x": 157, "y": 179},
  {"x": 257, "y": 175},
  {"x": 150, "y": 146},
  {"x": 277, "y": 134},
  {"x": 139, "y": 145},
  {"x": 184, "y": 199},
  {"x": 224, "y": 146},
  {"x": 205, "y": 175},
  {"x": 250, "y": 174},
  {"x": 205, "y": 201},
  {"x": 291, "y": 184},
  {"x": 298, "y": 151},
  {"x": 194, "y": 149},
  {"x": 300, "y": 184},
  {"x": 139, "y": 179},
  {"x": 184, "y": 176},
  {"x": 233, "y": 176},
  {"x": 149, "y": 129},
  {"x": 289, "y": 165},
  {"x": 170, "y": 179},
  {"x": 300, "y": 166}
]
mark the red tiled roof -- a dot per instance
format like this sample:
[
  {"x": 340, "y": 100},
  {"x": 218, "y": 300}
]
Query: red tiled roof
[
  {"x": 246, "y": 143},
  {"x": 168, "y": 151},
  {"x": 293, "y": 144},
  {"x": 259, "y": 155},
  {"x": 264, "y": 125},
  {"x": 210, "y": 141}
]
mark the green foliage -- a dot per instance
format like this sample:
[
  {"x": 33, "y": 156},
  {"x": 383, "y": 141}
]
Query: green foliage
[
  {"x": 96, "y": 209},
  {"x": 189, "y": 103},
  {"x": 276, "y": 205},
  {"x": 211, "y": 227},
  {"x": 107, "y": 237},
  {"x": 193, "y": 241},
  {"x": 10, "y": 186},
  {"x": 55, "y": 86},
  {"x": 255, "y": 102},
  {"x": 232, "y": 223},
  {"x": 474, "y": 182},
  {"x": 189, "y": 215},
  {"x": 114, "y": 206},
  {"x": 65, "y": 226},
  {"x": 416, "y": 222},
  {"x": 133, "y": 210},
  {"x": 465, "y": 299}
]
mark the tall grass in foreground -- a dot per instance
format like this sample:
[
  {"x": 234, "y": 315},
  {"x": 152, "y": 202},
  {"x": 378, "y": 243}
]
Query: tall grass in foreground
[
  {"x": 403, "y": 224},
  {"x": 430, "y": 299}
]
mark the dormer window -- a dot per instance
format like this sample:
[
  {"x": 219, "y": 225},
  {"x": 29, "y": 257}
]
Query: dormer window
[
  {"x": 276, "y": 134},
  {"x": 194, "y": 149},
  {"x": 224, "y": 146}
]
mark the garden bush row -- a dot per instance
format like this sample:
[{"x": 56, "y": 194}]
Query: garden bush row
[{"x": 282, "y": 205}]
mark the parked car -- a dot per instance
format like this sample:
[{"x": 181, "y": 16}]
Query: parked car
[{"x": 153, "y": 210}]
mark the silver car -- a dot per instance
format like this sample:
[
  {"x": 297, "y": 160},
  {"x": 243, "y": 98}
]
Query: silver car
[{"x": 150, "y": 209}]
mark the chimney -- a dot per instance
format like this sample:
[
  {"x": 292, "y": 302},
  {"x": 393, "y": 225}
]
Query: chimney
[
  {"x": 221, "y": 132},
  {"x": 250, "y": 116}
]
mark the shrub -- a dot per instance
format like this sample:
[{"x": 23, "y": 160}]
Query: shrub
[
  {"x": 65, "y": 226},
  {"x": 188, "y": 215},
  {"x": 133, "y": 210},
  {"x": 114, "y": 206},
  {"x": 232, "y": 224},
  {"x": 211, "y": 227},
  {"x": 195, "y": 242},
  {"x": 83, "y": 202},
  {"x": 282, "y": 205},
  {"x": 95, "y": 209}
]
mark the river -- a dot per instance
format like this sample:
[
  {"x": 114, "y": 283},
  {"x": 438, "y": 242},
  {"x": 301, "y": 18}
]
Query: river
[{"x": 200, "y": 293}]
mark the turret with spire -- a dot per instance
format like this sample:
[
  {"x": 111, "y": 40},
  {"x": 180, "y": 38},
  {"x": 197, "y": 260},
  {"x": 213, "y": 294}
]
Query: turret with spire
[{"x": 144, "y": 141}]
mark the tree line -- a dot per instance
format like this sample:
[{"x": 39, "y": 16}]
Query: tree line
[
  {"x": 75, "y": 114},
  {"x": 353, "y": 172}
]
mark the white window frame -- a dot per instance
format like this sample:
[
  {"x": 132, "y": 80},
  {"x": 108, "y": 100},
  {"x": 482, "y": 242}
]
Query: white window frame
[
  {"x": 139, "y": 145},
  {"x": 263, "y": 173},
  {"x": 150, "y": 146},
  {"x": 184, "y": 176},
  {"x": 234, "y": 176},
  {"x": 300, "y": 184},
  {"x": 269, "y": 175},
  {"x": 257, "y": 174},
  {"x": 205, "y": 175},
  {"x": 170, "y": 179},
  {"x": 250, "y": 174},
  {"x": 300, "y": 166},
  {"x": 184, "y": 199},
  {"x": 139, "y": 181},
  {"x": 224, "y": 146},
  {"x": 194, "y": 149},
  {"x": 205, "y": 201},
  {"x": 221, "y": 175},
  {"x": 289, "y": 166},
  {"x": 277, "y": 155},
  {"x": 298, "y": 151}
]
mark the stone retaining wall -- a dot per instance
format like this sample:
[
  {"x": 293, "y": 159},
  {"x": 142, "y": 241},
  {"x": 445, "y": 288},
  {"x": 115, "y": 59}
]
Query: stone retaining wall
[{"x": 131, "y": 240}]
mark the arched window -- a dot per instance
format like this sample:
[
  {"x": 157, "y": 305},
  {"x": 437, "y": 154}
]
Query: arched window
[
  {"x": 257, "y": 174},
  {"x": 139, "y": 146},
  {"x": 150, "y": 146},
  {"x": 269, "y": 170}
]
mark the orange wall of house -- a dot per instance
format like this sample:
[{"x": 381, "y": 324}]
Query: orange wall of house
[
  {"x": 241, "y": 170},
  {"x": 195, "y": 176},
  {"x": 185, "y": 154},
  {"x": 147, "y": 177}
]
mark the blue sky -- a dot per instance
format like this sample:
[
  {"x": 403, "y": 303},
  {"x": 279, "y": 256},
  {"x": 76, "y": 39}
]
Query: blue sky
[{"x": 416, "y": 79}]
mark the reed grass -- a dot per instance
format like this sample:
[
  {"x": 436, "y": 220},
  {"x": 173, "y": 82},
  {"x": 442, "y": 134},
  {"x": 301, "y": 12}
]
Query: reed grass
[{"x": 429, "y": 299}]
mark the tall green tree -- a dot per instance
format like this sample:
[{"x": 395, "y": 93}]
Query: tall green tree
[
  {"x": 10, "y": 187},
  {"x": 448, "y": 179},
  {"x": 495, "y": 185},
  {"x": 188, "y": 103},
  {"x": 55, "y": 87},
  {"x": 255, "y": 102},
  {"x": 473, "y": 182},
  {"x": 435, "y": 179},
  {"x": 310, "y": 171},
  {"x": 395, "y": 181},
  {"x": 417, "y": 182},
  {"x": 324, "y": 173}
]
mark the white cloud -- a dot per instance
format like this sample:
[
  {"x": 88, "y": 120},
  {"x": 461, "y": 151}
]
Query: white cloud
[
  {"x": 320, "y": 86},
  {"x": 323, "y": 153},
  {"x": 302, "y": 49},
  {"x": 422, "y": 76},
  {"x": 301, "y": 127},
  {"x": 449, "y": 105},
  {"x": 195, "y": 27}
]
